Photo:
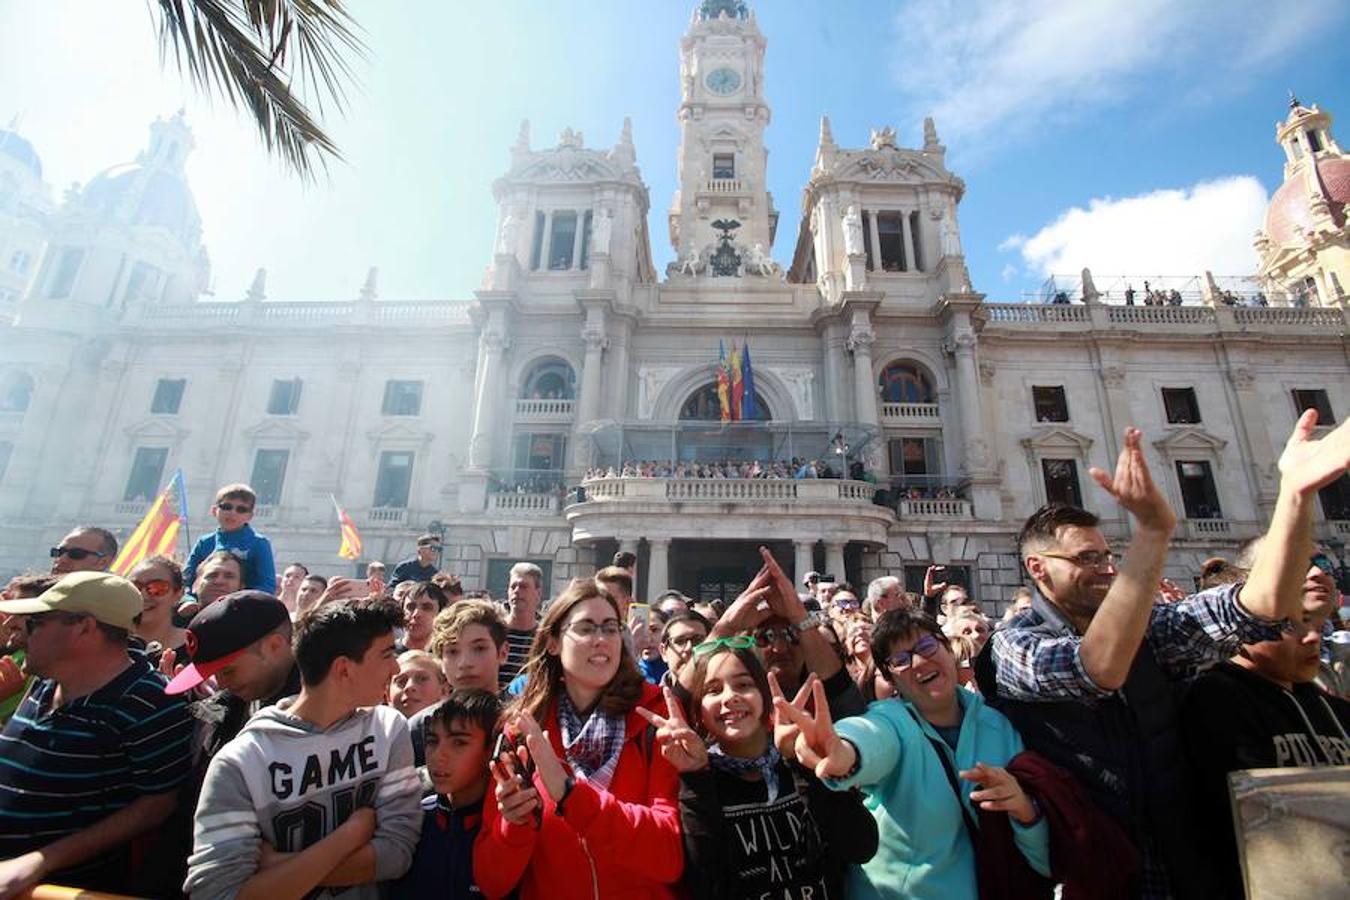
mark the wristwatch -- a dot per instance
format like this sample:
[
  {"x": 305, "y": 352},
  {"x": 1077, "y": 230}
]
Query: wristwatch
[
  {"x": 568, "y": 783},
  {"x": 812, "y": 620}
]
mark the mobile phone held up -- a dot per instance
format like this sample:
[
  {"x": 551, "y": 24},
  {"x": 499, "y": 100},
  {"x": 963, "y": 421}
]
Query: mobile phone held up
[{"x": 512, "y": 746}]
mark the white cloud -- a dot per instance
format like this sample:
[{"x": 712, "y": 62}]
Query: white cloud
[
  {"x": 1011, "y": 67},
  {"x": 1165, "y": 232}
]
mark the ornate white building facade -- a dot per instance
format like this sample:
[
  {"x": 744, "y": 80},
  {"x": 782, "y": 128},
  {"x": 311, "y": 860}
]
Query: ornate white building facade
[{"x": 869, "y": 346}]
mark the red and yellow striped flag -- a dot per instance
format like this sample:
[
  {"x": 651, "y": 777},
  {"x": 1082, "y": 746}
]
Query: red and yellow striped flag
[
  {"x": 351, "y": 538},
  {"x": 157, "y": 535}
]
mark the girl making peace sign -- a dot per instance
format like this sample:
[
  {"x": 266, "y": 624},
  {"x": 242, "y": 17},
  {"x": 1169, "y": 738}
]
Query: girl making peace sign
[{"x": 755, "y": 824}]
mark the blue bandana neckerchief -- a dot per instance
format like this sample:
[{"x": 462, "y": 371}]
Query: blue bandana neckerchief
[
  {"x": 591, "y": 747},
  {"x": 766, "y": 764}
]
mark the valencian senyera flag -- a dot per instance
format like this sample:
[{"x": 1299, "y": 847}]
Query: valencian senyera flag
[
  {"x": 723, "y": 382},
  {"x": 351, "y": 538},
  {"x": 157, "y": 535}
]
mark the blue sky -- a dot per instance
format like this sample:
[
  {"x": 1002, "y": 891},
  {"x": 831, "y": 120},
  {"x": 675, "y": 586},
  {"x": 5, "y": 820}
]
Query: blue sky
[{"x": 1132, "y": 137}]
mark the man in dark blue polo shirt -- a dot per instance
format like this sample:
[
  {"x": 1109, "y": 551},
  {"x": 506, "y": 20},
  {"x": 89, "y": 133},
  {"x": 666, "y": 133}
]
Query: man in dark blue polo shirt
[
  {"x": 95, "y": 754},
  {"x": 422, "y": 566}
]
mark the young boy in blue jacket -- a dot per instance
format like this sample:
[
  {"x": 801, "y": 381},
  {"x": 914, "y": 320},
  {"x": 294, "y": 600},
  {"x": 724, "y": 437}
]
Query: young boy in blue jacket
[
  {"x": 233, "y": 509},
  {"x": 458, "y": 736}
]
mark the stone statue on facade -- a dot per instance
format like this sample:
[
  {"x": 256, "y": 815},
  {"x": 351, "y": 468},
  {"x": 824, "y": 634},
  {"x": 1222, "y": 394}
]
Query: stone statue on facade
[
  {"x": 757, "y": 262},
  {"x": 601, "y": 229},
  {"x": 883, "y": 137},
  {"x": 853, "y": 232},
  {"x": 948, "y": 237},
  {"x": 689, "y": 263},
  {"x": 507, "y": 235}
]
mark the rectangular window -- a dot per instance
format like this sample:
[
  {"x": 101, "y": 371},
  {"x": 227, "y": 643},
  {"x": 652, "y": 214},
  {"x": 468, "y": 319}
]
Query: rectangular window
[
  {"x": 394, "y": 479},
  {"x": 1198, "y": 492},
  {"x": 141, "y": 284},
  {"x": 586, "y": 239},
  {"x": 1051, "y": 404},
  {"x": 1336, "y": 499},
  {"x": 891, "y": 237},
  {"x": 540, "y": 451},
  {"x": 1181, "y": 406},
  {"x": 724, "y": 165},
  {"x": 168, "y": 396},
  {"x": 269, "y": 473},
  {"x": 867, "y": 239},
  {"x": 64, "y": 272},
  {"x": 1315, "y": 398},
  {"x": 146, "y": 471},
  {"x": 537, "y": 244},
  {"x": 285, "y": 397},
  {"x": 1314, "y": 141},
  {"x": 402, "y": 398},
  {"x": 1061, "y": 481},
  {"x": 561, "y": 240},
  {"x": 914, "y": 456}
]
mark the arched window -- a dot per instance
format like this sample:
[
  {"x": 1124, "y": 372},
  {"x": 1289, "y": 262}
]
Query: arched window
[
  {"x": 704, "y": 406},
  {"x": 16, "y": 392},
  {"x": 905, "y": 382},
  {"x": 551, "y": 379}
]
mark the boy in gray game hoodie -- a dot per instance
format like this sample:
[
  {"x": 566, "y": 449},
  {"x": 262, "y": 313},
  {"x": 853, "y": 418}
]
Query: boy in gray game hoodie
[{"x": 319, "y": 790}]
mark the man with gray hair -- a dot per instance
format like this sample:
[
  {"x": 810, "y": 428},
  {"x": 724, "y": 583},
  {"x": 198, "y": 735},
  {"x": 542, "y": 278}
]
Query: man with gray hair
[
  {"x": 86, "y": 549},
  {"x": 883, "y": 595},
  {"x": 524, "y": 596}
]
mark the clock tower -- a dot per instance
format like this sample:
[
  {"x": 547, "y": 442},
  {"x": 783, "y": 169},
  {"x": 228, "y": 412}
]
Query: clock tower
[{"x": 722, "y": 159}]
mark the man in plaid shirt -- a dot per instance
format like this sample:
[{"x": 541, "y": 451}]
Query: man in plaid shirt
[{"x": 1069, "y": 672}]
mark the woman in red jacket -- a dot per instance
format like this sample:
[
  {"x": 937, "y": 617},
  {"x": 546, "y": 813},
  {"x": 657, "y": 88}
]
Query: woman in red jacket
[{"x": 600, "y": 815}]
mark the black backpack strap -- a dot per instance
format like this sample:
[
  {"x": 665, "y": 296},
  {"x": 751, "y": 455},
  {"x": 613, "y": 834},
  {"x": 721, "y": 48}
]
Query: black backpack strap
[{"x": 972, "y": 830}]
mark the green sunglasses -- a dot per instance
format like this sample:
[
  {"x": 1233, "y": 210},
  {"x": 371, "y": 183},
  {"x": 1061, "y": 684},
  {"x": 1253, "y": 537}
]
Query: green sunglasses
[{"x": 735, "y": 642}]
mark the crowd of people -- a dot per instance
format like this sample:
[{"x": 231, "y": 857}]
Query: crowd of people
[
  {"x": 781, "y": 469},
  {"x": 219, "y": 729}
]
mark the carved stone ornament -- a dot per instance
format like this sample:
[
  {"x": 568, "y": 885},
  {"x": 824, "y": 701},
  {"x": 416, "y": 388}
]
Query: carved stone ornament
[
  {"x": 495, "y": 341},
  {"x": 1113, "y": 377},
  {"x": 853, "y": 232},
  {"x": 508, "y": 235},
  {"x": 887, "y": 166},
  {"x": 883, "y": 137},
  {"x": 594, "y": 336},
  {"x": 799, "y": 381},
  {"x": 651, "y": 379},
  {"x": 1242, "y": 378},
  {"x": 570, "y": 139},
  {"x": 986, "y": 373},
  {"x": 601, "y": 229},
  {"x": 862, "y": 337}
]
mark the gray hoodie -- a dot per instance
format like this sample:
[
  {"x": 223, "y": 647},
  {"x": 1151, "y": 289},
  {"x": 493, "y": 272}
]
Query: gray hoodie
[{"x": 284, "y": 781}]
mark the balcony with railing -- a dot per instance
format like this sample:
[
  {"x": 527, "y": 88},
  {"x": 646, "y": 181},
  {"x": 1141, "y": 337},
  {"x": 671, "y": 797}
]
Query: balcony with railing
[
  {"x": 387, "y": 516},
  {"x": 910, "y": 414},
  {"x": 536, "y": 410},
  {"x": 934, "y": 508},
  {"x": 724, "y": 490},
  {"x": 724, "y": 186}
]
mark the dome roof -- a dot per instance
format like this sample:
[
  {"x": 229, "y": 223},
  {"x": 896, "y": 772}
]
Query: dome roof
[
  {"x": 1289, "y": 212},
  {"x": 165, "y": 199},
  {"x": 13, "y": 145}
]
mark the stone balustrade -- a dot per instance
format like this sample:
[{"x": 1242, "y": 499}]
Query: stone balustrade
[
  {"x": 729, "y": 490},
  {"x": 953, "y": 508},
  {"x": 910, "y": 414},
  {"x": 512, "y": 503},
  {"x": 131, "y": 509},
  {"x": 535, "y": 410},
  {"x": 387, "y": 515},
  {"x": 1189, "y": 319},
  {"x": 1201, "y": 529},
  {"x": 289, "y": 314},
  {"x": 724, "y": 186},
  {"x": 264, "y": 512}
]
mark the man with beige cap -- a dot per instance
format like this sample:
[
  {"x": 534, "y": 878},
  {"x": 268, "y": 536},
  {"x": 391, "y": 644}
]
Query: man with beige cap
[{"x": 96, "y": 752}]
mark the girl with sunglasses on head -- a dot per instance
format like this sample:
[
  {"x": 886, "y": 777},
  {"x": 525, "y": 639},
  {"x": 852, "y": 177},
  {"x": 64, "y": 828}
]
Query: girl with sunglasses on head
[
  {"x": 929, "y": 762},
  {"x": 755, "y": 824},
  {"x": 584, "y": 805},
  {"x": 160, "y": 581}
]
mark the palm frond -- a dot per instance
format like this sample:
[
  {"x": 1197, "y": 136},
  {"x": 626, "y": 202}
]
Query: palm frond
[{"x": 243, "y": 50}]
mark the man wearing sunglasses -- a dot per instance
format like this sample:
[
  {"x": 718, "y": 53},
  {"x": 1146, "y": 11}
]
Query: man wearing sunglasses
[
  {"x": 96, "y": 753},
  {"x": 86, "y": 549},
  {"x": 1070, "y": 673}
]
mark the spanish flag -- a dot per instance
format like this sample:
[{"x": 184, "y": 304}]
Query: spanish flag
[
  {"x": 723, "y": 382},
  {"x": 157, "y": 535},
  {"x": 351, "y": 538}
]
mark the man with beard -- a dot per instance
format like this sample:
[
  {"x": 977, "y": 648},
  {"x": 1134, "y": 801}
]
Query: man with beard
[{"x": 1070, "y": 675}]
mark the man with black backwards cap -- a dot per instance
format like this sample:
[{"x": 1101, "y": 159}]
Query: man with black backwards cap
[
  {"x": 97, "y": 751},
  {"x": 243, "y": 640}
]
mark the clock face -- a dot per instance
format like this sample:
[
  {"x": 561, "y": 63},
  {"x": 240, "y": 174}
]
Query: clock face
[{"x": 723, "y": 81}]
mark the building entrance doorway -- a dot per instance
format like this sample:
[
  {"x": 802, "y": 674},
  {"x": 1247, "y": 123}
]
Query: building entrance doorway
[{"x": 720, "y": 570}]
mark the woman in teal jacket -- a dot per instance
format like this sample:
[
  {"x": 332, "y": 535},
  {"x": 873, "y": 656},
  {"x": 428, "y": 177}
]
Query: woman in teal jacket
[{"x": 892, "y": 753}]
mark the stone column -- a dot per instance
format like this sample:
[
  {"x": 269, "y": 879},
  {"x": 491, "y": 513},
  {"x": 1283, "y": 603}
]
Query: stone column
[
  {"x": 1261, "y": 451},
  {"x": 588, "y": 399},
  {"x": 658, "y": 567},
  {"x": 836, "y": 400},
  {"x": 576, "y": 240},
  {"x": 975, "y": 458},
  {"x": 803, "y": 560},
  {"x": 874, "y": 235},
  {"x": 834, "y": 560},
  {"x": 546, "y": 245},
  {"x": 860, "y": 341},
  {"x": 492, "y": 347},
  {"x": 911, "y": 245}
]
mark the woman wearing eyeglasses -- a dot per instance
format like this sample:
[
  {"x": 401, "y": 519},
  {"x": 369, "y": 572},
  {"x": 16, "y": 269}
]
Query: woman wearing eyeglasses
[
  {"x": 912, "y": 756},
  {"x": 160, "y": 581},
  {"x": 585, "y": 806},
  {"x": 755, "y": 824}
]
